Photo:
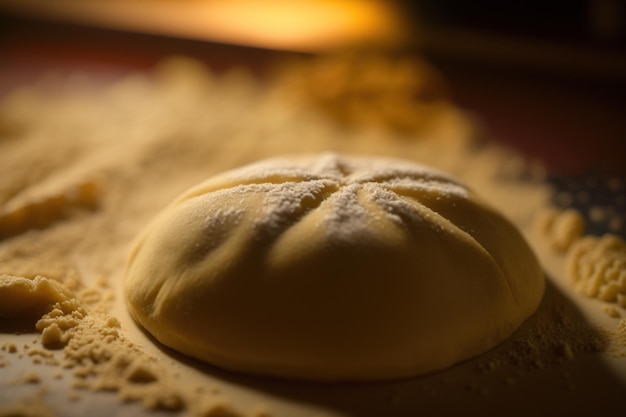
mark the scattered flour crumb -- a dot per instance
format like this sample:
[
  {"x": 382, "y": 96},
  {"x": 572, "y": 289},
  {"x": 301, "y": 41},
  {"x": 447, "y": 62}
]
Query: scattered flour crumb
[
  {"x": 559, "y": 228},
  {"x": 9, "y": 347},
  {"x": 219, "y": 409},
  {"x": 611, "y": 311},
  {"x": 618, "y": 340},
  {"x": 596, "y": 266},
  {"x": 31, "y": 378}
]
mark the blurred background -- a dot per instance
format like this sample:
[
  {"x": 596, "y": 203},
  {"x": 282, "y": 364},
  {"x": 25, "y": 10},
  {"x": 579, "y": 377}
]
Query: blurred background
[{"x": 546, "y": 78}]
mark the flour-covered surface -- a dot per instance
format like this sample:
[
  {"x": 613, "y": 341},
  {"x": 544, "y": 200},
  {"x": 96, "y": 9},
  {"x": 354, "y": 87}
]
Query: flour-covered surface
[{"x": 84, "y": 169}]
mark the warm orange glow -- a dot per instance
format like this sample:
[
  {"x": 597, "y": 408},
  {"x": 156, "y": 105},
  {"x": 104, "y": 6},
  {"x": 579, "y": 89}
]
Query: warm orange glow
[
  {"x": 304, "y": 24},
  {"x": 278, "y": 24}
]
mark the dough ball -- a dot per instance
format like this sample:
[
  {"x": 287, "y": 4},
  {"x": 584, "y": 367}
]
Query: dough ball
[{"x": 332, "y": 268}]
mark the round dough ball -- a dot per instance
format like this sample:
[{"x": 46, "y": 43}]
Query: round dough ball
[{"x": 332, "y": 268}]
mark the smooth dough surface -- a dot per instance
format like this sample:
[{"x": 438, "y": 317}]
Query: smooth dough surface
[{"x": 331, "y": 267}]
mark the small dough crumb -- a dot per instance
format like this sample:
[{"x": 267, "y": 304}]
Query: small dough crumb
[
  {"x": 611, "y": 312},
  {"x": 52, "y": 335},
  {"x": 39, "y": 207},
  {"x": 9, "y": 347},
  {"x": 597, "y": 267},
  {"x": 31, "y": 378},
  {"x": 559, "y": 228},
  {"x": 220, "y": 409}
]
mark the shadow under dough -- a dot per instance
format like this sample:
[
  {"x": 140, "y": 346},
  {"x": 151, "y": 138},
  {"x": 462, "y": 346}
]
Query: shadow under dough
[{"x": 551, "y": 364}]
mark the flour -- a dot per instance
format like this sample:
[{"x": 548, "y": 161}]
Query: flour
[
  {"x": 84, "y": 170},
  {"x": 291, "y": 190},
  {"x": 597, "y": 268}
]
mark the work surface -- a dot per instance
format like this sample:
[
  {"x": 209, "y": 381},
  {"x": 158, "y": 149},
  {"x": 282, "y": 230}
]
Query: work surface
[{"x": 97, "y": 147}]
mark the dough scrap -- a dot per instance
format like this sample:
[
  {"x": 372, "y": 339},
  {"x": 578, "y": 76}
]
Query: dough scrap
[
  {"x": 330, "y": 267},
  {"x": 33, "y": 296}
]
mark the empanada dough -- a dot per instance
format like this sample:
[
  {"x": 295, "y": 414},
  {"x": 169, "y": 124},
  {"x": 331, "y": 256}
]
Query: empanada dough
[{"x": 331, "y": 267}]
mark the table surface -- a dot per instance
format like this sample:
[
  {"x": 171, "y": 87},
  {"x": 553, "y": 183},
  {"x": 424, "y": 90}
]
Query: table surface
[{"x": 575, "y": 124}]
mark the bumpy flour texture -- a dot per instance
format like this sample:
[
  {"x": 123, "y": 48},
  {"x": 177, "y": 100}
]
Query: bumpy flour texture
[{"x": 332, "y": 268}]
